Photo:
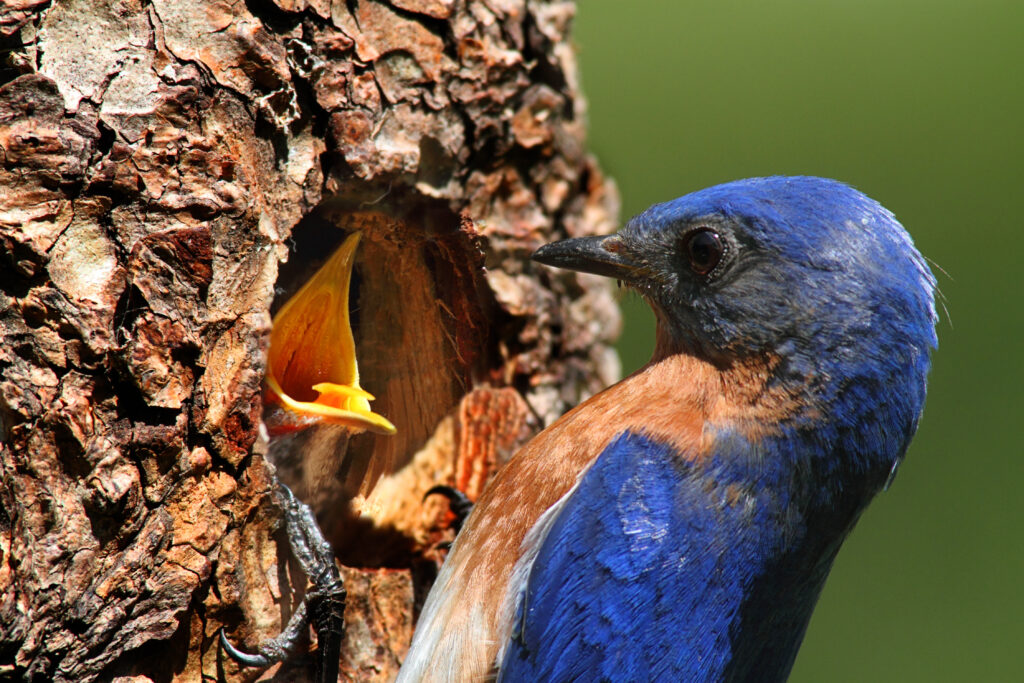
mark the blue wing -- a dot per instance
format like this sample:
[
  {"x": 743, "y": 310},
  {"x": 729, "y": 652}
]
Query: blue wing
[{"x": 619, "y": 590}]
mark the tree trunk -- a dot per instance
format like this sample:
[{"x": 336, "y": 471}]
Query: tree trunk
[{"x": 170, "y": 170}]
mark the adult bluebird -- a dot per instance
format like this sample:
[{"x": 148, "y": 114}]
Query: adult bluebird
[{"x": 680, "y": 525}]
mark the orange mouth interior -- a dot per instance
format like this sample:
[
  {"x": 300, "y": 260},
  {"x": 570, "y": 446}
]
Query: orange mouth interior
[{"x": 312, "y": 369}]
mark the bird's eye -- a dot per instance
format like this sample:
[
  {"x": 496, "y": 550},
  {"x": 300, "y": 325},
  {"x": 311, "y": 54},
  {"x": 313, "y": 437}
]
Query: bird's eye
[{"x": 704, "y": 249}]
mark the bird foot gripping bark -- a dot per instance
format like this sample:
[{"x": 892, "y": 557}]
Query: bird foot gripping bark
[
  {"x": 324, "y": 604},
  {"x": 313, "y": 379}
]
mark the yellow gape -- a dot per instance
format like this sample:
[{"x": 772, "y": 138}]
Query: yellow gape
[{"x": 312, "y": 366}]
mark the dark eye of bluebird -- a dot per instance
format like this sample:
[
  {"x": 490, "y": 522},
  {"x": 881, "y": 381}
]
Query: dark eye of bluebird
[{"x": 704, "y": 249}]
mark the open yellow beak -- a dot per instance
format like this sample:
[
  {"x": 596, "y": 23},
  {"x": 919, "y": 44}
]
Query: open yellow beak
[{"x": 312, "y": 368}]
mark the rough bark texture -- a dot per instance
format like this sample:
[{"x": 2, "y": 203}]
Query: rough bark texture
[{"x": 161, "y": 160}]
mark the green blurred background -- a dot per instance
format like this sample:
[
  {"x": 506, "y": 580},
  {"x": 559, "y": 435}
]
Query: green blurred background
[{"x": 920, "y": 104}]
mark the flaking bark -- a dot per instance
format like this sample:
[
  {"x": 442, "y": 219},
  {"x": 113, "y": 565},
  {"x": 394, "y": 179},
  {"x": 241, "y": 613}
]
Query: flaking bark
[{"x": 161, "y": 160}]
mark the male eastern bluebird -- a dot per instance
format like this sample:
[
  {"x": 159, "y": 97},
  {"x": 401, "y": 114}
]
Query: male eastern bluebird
[{"x": 680, "y": 525}]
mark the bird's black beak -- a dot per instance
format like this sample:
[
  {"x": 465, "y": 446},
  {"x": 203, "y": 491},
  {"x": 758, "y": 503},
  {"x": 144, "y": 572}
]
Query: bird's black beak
[{"x": 605, "y": 255}]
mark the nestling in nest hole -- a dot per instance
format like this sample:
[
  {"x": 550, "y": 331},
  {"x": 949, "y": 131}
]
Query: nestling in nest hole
[{"x": 410, "y": 343}]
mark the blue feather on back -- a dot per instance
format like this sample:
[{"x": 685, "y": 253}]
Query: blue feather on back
[{"x": 631, "y": 583}]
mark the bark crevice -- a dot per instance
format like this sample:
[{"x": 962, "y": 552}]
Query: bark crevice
[{"x": 155, "y": 159}]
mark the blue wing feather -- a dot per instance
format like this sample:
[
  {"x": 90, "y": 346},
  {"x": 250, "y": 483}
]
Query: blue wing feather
[
  {"x": 665, "y": 567},
  {"x": 616, "y": 591}
]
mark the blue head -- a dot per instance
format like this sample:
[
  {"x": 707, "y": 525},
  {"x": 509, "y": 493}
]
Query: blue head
[{"x": 807, "y": 274}]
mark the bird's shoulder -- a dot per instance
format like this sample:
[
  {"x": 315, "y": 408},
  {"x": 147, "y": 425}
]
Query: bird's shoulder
[
  {"x": 628, "y": 547},
  {"x": 658, "y": 530},
  {"x": 669, "y": 402}
]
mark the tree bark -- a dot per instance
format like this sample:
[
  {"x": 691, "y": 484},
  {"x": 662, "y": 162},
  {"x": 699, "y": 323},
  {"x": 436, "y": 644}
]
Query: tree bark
[{"x": 173, "y": 170}]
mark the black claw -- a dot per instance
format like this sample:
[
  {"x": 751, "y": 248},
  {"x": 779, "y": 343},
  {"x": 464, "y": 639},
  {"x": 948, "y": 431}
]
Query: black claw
[
  {"x": 458, "y": 502},
  {"x": 325, "y": 600},
  {"x": 242, "y": 657},
  {"x": 275, "y": 649}
]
